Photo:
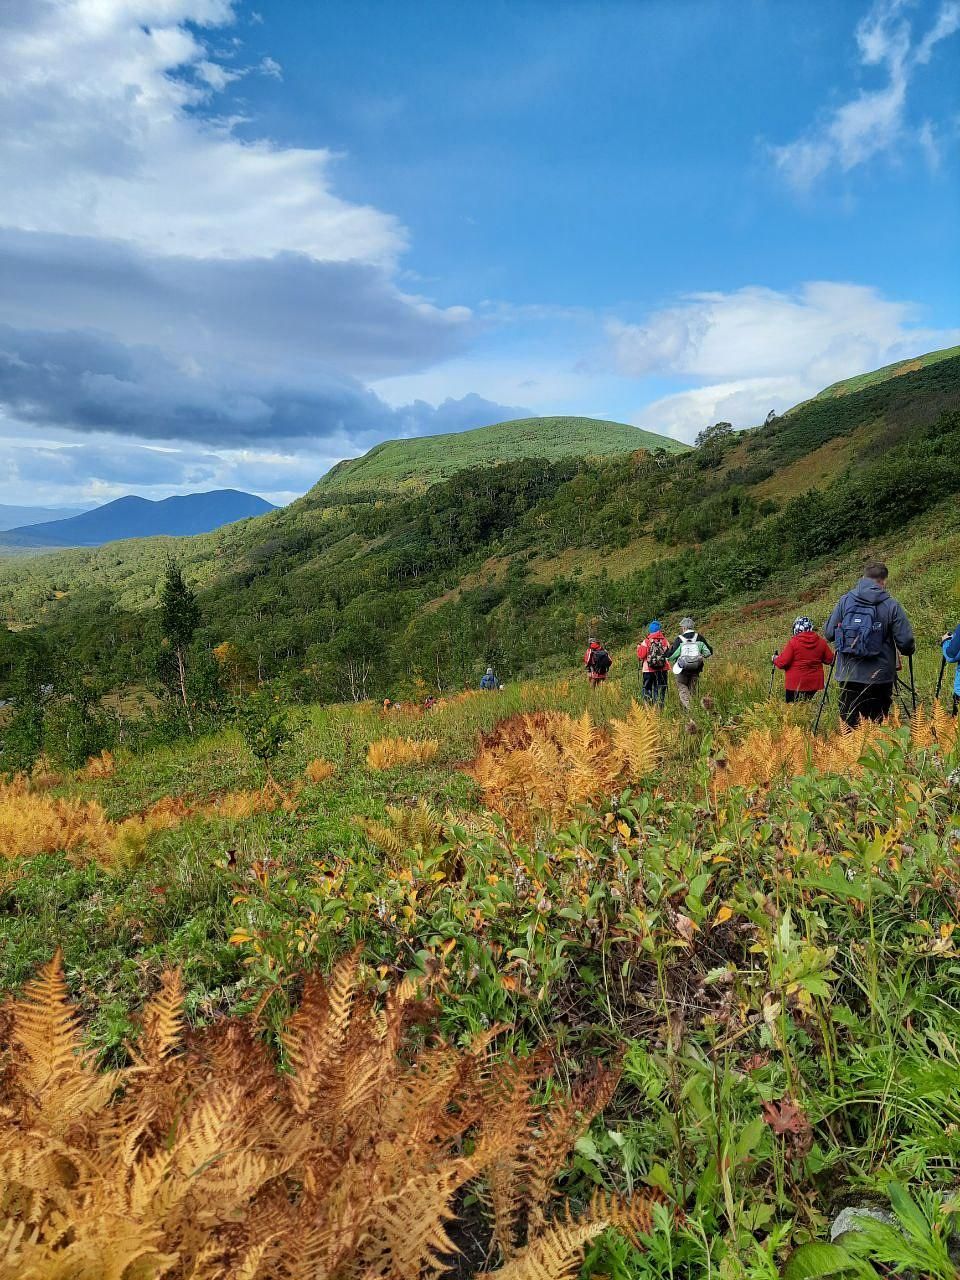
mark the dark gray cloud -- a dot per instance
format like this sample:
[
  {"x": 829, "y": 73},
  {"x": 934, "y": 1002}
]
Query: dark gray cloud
[
  {"x": 93, "y": 383},
  {"x": 288, "y": 312}
]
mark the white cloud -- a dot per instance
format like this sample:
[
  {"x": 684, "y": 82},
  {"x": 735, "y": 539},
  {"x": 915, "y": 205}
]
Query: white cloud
[
  {"x": 100, "y": 135},
  {"x": 875, "y": 120},
  {"x": 758, "y": 349}
]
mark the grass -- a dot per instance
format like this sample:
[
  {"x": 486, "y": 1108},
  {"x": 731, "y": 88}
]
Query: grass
[
  {"x": 764, "y": 929},
  {"x": 419, "y": 462},
  {"x": 848, "y": 385}
]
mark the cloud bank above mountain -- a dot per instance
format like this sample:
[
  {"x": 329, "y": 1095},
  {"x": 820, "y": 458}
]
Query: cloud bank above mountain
[{"x": 165, "y": 280}]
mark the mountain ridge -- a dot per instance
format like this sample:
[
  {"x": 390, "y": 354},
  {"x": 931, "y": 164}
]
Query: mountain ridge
[
  {"x": 15, "y": 516},
  {"x": 134, "y": 517}
]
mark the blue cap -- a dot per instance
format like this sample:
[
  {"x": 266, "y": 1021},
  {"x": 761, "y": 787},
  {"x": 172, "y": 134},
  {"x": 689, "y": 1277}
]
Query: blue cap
[{"x": 654, "y": 626}]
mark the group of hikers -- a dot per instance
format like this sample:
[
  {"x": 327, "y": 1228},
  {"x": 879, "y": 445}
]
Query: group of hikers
[
  {"x": 868, "y": 630},
  {"x": 657, "y": 656}
]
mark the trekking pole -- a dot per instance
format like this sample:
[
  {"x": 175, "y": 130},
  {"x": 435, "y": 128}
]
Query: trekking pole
[
  {"x": 773, "y": 672},
  {"x": 913, "y": 683},
  {"x": 823, "y": 700},
  {"x": 943, "y": 667}
]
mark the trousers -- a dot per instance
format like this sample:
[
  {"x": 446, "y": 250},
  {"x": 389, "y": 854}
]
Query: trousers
[
  {"x": 864, "y": 702},
  {"x": 655, "y": 687},
  {"x": 687, "y": 687}
]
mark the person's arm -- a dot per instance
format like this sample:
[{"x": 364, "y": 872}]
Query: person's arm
[
  {"x": 903, "y": 636},
  {"x": 785, "y": 657},
  {"x": 643, "y": 648},
  {"x": 674, "y": 653},
  {"x": 829, "y": 657},
  {"x": 951, "y": 649},
  {"x": 830, "y": 630},
  {"x": 705, "y": 648}
]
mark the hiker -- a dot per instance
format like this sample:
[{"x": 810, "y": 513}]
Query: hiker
[
  {"x": 687, "y": 656},
  {"x": 489, "y": 681},
  {"x": 868, "y": 629},
  {"x": 951, "y": 653},
  {"x": 597, "y": 662},
  {"x": 802, "y": 660},
  {"x": 652, "y": 655}
]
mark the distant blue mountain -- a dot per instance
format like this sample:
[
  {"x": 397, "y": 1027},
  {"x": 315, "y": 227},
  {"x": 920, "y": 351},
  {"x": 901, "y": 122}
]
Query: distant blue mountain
[
  {"x": 140, "y": 518},
  {"x": 16, "y": 517}
]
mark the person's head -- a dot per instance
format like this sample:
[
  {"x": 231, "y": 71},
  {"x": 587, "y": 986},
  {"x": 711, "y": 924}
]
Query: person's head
[
  {"x": 654, "y": 627},
  {"x": 489, "y": 671},
  {"x": 800, "y": 625},
  {"x": 876, "y": 570},
  {"x": 687, "y": 624},
  {"x": 593, "y": 640}
]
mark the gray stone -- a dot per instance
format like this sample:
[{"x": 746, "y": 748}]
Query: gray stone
[{"x": 850, "y": 1217}]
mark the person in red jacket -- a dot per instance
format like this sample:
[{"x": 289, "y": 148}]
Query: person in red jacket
[
  {"x": 802, "y": 660},
  {"x": 652, "y": 654},
  {"x": 597, "y": 662}
]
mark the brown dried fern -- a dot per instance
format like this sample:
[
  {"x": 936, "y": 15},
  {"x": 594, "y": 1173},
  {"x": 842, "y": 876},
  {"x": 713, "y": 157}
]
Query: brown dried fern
[{"x": 201, "y": 1160}]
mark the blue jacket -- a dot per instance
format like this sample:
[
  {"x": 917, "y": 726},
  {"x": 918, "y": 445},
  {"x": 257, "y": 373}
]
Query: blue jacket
[
  {"x": 897, "y": 635},
  {"x": 951, "y": 651}
]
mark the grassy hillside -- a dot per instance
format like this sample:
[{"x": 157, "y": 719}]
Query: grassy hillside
[
  {"x": 515, "y": 564},
  {"x": 847, "y": 385},
  {"x": 420, "y": 462},
  {"x": 749, "y": 929},
  {"x": 755, "y": 926}
]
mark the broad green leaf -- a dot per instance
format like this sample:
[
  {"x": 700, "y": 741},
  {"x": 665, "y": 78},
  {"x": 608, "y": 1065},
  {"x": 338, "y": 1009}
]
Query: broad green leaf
[{"x": 817, "y": 1259}]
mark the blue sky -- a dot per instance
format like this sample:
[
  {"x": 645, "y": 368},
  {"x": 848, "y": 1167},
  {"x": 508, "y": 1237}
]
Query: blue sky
[{"x": 239, "y": 244}]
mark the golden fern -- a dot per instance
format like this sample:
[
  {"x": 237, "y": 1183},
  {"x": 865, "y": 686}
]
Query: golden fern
[
  {"x": 556, "y": 1252},
  {"x": 201, "y": 1160},
  {"x": 944, "y": 727},
  {"x": 418, "y": 826},
  {"x": 389, "y": 753},
  {"x": 637, "y": 741}
]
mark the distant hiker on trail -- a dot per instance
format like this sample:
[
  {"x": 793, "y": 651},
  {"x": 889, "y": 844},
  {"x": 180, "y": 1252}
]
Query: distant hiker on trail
[
  {"x": 652, "y": 655},
  {"x": 687, "y": 656},
  {"x": 868, "y": 628},
  {"x": 802, "y": 660},
  {"x": 951, "y": 653},
  {"x": 489, "y": 681},
  {"x": 597, "y": 662}
]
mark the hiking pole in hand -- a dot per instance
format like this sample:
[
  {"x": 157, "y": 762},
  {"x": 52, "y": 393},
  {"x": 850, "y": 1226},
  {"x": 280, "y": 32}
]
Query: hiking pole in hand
[
  {"x": 823, "y": 700},
  {"x": 773, "y": 670},
  {"x": 943, "y": 667},
  {"x": 913, "y": 683}
]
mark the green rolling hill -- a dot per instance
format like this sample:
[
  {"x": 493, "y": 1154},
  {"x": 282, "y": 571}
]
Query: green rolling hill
[
  {"x": 417, "y": 463},
  {"x": 847, "y": 385},
  {"x": 514, "y": 563}
]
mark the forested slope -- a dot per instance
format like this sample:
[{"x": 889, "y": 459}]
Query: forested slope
[{"x": 370, "y": 595}]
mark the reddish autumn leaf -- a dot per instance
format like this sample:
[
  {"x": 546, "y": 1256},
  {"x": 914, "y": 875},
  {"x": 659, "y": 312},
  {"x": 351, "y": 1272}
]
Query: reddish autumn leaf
[
  {"x": 788, "y": 1121},
  {"x": 756, "y": 1061}
]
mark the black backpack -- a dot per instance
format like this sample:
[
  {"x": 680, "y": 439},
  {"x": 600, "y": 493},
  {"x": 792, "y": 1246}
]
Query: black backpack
[{"x": 600, "y": 661}]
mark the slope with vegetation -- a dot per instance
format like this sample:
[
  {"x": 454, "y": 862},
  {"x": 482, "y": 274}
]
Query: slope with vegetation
[
  {"x": 417, "y": 463},
  {"x": 354, "y": 597},
  {"x": 693, "y": 977}
]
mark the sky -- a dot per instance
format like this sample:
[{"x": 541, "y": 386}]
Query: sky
[{"x": 241, "y": 241}]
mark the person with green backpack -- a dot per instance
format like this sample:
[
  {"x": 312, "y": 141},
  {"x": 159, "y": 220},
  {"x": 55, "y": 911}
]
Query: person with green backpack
[{"x": 687, "y": 657}]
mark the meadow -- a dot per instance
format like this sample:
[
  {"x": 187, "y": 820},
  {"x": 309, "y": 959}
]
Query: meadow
[{"x": 748, "y": 932}]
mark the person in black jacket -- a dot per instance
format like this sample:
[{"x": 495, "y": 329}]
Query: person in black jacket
[{"x": 868, "y": 629}]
